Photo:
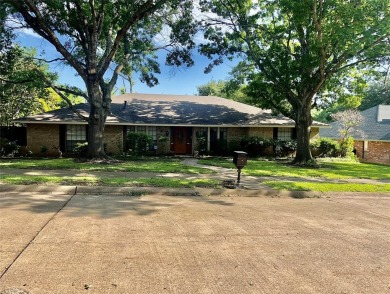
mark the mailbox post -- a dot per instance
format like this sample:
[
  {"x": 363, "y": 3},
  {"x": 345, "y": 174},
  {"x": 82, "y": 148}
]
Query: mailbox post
[{"x": 240, "y": 159}]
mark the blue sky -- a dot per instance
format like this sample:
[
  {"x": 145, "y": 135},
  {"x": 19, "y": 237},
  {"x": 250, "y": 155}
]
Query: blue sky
[{"x": 171, "y": 80}]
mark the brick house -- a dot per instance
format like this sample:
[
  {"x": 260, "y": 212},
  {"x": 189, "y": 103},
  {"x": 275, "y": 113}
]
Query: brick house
[
  {"x": 372, "y": 143},
  {"x": 173, "y": 121}
]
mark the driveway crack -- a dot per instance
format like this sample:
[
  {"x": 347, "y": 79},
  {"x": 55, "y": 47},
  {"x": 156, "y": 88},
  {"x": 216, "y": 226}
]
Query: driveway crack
[{"x": 37, "y": 234}]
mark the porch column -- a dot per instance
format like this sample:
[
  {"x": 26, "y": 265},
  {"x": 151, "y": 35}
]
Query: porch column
[
  {"x": 208, "y": 139},
  {"x": 218, "y": 134}
]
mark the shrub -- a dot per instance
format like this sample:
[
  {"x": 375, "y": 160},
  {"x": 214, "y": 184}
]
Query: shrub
[
  {"x": 253, "y": 145},
  {"x": 138, "y": 143},
  {"x": 81, "y": 149},
  {"x": 346, "y": 147},
  {"x": 285, "y": 147},
  {"x": 325, "y": 147},
  {"x": 44, "y": 150},
  {"x": 8, "y": 148},
  {"x": 201, "y": 143}
]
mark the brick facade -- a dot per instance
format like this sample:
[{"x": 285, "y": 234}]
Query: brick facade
[
  {"x": 373, "y": 151},
  {"x": 113, "y": 138},
  {"x": 39, "y": 135},
  {"x": 43, "y": 135}
]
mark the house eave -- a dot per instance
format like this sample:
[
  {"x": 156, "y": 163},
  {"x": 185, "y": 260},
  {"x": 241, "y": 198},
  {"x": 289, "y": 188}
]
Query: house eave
[{"x": 166, "y": 125}]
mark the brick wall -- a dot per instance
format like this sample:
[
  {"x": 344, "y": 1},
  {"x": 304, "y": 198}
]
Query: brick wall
[
  {"x": 261, "y": 132},
  {"x": 373, "y": 151},
  {"x": 39, "y": 135},
  {"x": 236, "y": 133},
  {"x": 113, "y": 138}
]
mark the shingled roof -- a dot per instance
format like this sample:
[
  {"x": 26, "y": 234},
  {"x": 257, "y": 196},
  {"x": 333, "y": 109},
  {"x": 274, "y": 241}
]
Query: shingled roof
[
  {"x": 155, "y": 109},
  {"x": 375, "y": 126}
]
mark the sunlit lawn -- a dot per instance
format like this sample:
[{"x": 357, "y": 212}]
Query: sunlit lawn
[
  {"x": 155, "y": 165},
  {"x": 329, "y": 170},
  {"x": 114, "y": 182},
  {"x": 327, "y": 187}
]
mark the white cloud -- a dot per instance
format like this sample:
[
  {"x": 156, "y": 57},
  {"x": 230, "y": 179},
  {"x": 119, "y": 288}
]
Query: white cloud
[{"x": 20, "y": 28}]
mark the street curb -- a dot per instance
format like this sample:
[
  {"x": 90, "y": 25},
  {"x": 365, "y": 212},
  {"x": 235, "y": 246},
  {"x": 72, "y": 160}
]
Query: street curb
[{"x": 134, "y": 191}]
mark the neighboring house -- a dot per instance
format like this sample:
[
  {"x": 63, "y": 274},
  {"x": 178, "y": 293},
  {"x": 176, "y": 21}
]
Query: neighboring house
[
  {"x": 372, "y": 143},
  {"x": 173, "y": 121}
]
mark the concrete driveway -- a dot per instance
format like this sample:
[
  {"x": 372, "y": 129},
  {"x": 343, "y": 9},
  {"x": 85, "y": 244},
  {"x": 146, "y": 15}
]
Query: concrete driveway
[{"x": 64, "y": 243}]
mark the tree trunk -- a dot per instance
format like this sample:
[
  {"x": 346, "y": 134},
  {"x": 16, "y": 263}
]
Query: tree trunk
[
  {"x": 303, "y": 121},
  {"x": 96, "y": 123}
]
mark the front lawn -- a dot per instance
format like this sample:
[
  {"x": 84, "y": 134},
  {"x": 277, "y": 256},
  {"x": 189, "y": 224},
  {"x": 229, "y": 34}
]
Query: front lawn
[
  {"x": 154, "y": 165},
  {"x": 111, "y": 182},
  {"x": 327, "y": 187},
  {"x": 328, "y": 170}
]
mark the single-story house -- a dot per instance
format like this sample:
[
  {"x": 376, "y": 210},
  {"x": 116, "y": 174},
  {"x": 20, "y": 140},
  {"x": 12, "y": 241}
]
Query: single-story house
[
  {"x": 372, "y": 142},
  {"x": 173, "y": 121}
]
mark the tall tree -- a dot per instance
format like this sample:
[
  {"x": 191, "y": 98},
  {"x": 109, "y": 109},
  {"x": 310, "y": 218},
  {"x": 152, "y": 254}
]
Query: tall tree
[
  {"x": 377, "y": 93},
  {"x": 292, "y": 49},
  {"x": 22, "y": 90},
  {"x": 94, "y": 35},
  {"x": 222, "y": 89}
]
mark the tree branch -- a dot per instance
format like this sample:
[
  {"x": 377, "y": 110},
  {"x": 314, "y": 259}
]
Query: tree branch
[{"x": 146, "y": 9}]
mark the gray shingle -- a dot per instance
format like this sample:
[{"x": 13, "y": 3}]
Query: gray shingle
[
  {"x": 372, "y": 129},
  {"x": 172, "y": 110}
]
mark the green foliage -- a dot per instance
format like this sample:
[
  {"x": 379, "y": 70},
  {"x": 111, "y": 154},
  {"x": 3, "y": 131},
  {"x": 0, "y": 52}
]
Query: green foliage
[
  {"x": 81, "y": 149},
  {"x": 325, "y": 147},
  {"x": 291, "y": 50},
  {"x": 44, "y": 149},
  {"x": 254, "y": 145},
  {"x": 102, "y": 39},
  {"x": 138, "y": 143},
  {"x": 8, "y": 148},
  {"x": 201, "y": 143},
  {"x": 347, "y": 147},
  {"x": 223, "y": 89},
  {"x": 22, "y": 89},
  {"x": 377, "y": 93}
]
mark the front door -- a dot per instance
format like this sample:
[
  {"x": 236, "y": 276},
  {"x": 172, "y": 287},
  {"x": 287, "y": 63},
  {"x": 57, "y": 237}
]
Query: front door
[{"x": 182, "y": 140}]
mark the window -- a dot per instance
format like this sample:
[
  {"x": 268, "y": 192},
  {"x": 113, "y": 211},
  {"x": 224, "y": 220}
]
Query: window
[
  {"x": 223, "y": 134},
  {"x": 75, "y": 134},
  {"x": 152, "y": 131},
  {"x": 141, "y": 129},
  {"x": 284, "y": 134}
]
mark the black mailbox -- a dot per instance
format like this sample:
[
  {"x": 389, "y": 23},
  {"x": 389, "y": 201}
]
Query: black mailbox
[{"x": 240, "y": 159}]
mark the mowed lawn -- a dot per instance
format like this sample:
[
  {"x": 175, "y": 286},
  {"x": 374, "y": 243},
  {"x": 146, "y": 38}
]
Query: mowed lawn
[
  {"x": 326, "y": 169},
  {"x": 330, "y": 176},
  {"x": 152, "y": 165}
]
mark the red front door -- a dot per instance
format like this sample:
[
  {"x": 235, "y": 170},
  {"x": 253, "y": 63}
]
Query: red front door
[{"x": 182, "y": 140}]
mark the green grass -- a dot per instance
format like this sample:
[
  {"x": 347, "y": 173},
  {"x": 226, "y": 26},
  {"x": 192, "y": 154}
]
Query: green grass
[
  {"x": 327, "y": 187},
  {"x": 155, "y": 165},
  {"x": 114, "y": 182},
  {"x": 328, "y": 170}
]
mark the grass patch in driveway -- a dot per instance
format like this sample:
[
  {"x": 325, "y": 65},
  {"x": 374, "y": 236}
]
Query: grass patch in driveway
[
  {"x": 113, "y": 182},
  {"x": 155, "y": 165},
  {"x": 327, "y": 187}
]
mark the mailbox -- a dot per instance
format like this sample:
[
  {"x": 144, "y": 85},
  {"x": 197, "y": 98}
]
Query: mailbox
[{"x": 240, "y": 159}]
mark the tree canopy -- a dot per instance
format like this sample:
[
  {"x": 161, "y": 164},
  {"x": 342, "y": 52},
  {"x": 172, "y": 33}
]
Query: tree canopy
[
  {"x": 100, "y": 39},
  {"x": 291, "y": 50}
]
